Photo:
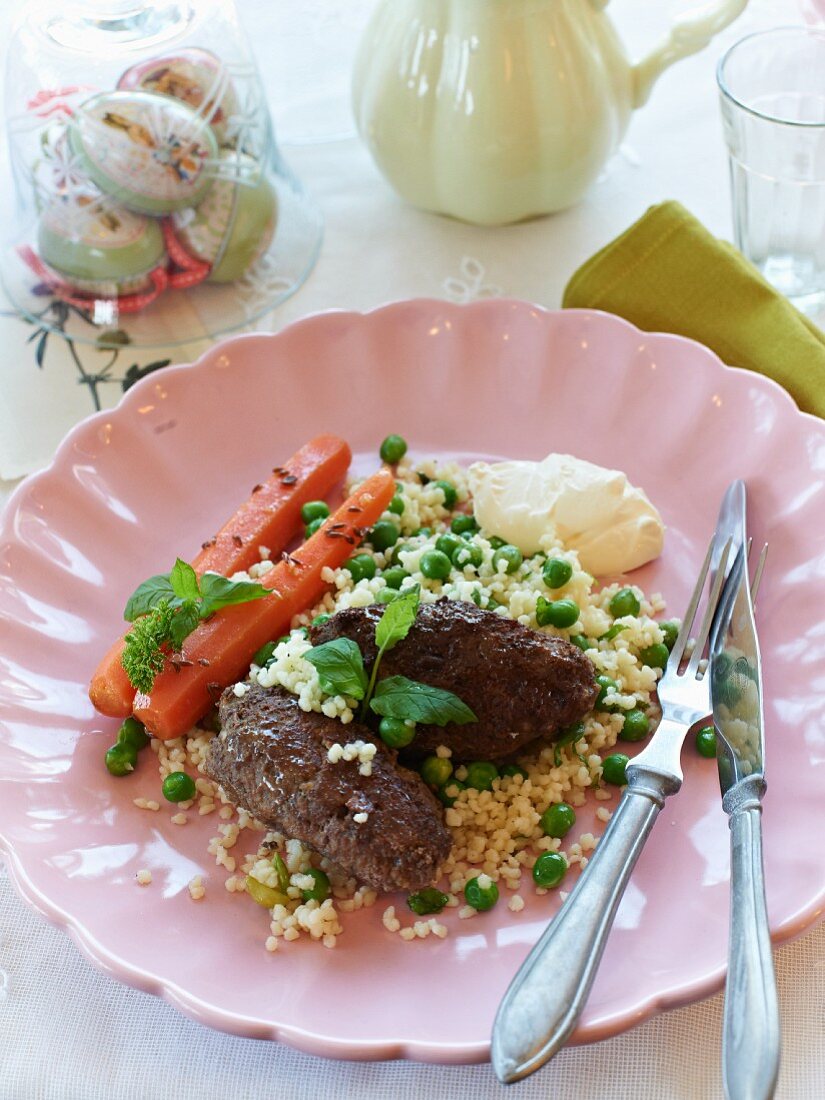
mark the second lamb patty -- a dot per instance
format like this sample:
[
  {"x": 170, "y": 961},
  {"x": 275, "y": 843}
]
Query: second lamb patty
[
  {"x": 521, "y": 684},
  {"x": 271, "y": 757}
]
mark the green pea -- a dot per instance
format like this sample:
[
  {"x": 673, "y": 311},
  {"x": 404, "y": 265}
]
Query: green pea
[
  {"x": 424, "y": 532},
  {"x": 264, "y": 654},
  {"x": 178, "y": 787},
  {"x": 314, "y": 509},
  {"x": 467, "y": 554},
  {"x": 581, "y": 641},
  {"x": 320, "y": 891},
  {"x": 394, "y": 556},
  {"x": 133, "y": 734},
  {"x": 394, "y": 576},
  {"x": 480, "y": 897},
  {"x": 393, "y": 449},
  {"x": 496, "y": 543},
  {"x": 612, "y": 632},
  {"x": 312, "y": 527},
  {"x": 463, "y": 525},
  {"x": 426, "y": 901},
  {"x": 624, "y": 602},
  {"x": 507, "y": 559},
  {"x": 655, "y": 656},
  {"x": 556, "y": 572},
  {"x": 613, "y": 769},
  {"x": 360, "y": 567},
  {"x": 435, "y": 565},
  {"x": 435, "y": 771},
  {"x": 448, "y": 544},
  {"x": 480, "y": 775},
  {"x": 706, "y": 741},
  {"x": 396, "y": 506},
  {"x": 510, "y": 770},
  {"x": 558, "y": 819},
  {"x": 386, "y": 595},
  {"x": 549, "y": 869},
  {"x": 395, "y": 732},
  {"x": 384, "y": 535},
  {"x": 450, "y": 494},
  {"x": 121, "y": 759},
  {"x": 636, "y": 726},
  {"x": 319, "y": 620},
  {"x": 267, "y": 896},
  {"x": 449, "y": 792},
  {"x": 671, "y": 633},
  {"x": 606, "y": 686},
  {"x": 560, "y": 613}
]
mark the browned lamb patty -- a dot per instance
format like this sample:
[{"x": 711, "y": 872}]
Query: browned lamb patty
[
  {"x": 271, "y": 758},
  {"x": 521, "y": 684}
]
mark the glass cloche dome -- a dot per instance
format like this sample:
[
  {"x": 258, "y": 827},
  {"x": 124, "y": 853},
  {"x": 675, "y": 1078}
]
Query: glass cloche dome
[{"x": 151, "y": 199}]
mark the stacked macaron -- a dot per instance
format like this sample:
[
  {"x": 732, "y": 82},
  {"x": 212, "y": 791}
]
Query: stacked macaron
[{"x": 157, "y": 183}]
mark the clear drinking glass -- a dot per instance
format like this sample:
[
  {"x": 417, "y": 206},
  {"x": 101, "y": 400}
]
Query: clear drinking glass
[{"x": 772, "y": 91}]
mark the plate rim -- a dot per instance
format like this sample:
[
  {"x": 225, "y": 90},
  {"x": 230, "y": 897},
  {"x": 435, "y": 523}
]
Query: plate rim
[{"x": 194, "y": 1007}]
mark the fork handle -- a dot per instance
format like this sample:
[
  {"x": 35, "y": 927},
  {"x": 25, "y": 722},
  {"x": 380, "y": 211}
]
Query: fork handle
[
  {"x": 545, "y": 999},
  {"x": 750, "y": 1037}
]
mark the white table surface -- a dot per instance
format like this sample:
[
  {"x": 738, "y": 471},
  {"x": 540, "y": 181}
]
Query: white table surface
[{"x": 67, "y": 1030}]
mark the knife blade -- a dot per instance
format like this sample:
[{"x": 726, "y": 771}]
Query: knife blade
[{"x": 751, "y": 1034}]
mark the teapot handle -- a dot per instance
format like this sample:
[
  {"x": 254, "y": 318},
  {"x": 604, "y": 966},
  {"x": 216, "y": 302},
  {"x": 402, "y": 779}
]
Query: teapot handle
[{"x": 689, "y": 34}]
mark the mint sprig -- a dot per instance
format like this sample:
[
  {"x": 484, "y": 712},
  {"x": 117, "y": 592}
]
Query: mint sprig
[
  {"x": 340, "y": 666},
  {"x": 166, "y": 608}
]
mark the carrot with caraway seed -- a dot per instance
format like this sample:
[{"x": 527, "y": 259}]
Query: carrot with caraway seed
[
  {"x": 221, "y": 648},
  {"x": 270, "y": 517}
]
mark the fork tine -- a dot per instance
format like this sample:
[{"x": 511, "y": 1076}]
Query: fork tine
[
  {"x": 757, "y": 577},
  {"x": 678, "y": 650},
  {"x": 710, "y": 611}
]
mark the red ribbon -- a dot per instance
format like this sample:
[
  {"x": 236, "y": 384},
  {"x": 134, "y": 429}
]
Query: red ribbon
[
  {"x": 191, "y": 271},
  {"x": 126, "y": 303}
]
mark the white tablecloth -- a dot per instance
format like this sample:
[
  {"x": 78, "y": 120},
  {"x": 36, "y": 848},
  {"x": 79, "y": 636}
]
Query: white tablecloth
[{"x": 67, "y": 1030}]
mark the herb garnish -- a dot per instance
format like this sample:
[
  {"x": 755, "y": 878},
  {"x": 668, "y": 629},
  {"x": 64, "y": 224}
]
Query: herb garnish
[
  {"x": 340, "y": 665},
  {"x": 166, "y": 608}
]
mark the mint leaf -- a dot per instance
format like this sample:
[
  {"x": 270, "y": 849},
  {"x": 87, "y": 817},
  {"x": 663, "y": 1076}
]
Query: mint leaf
[
  {"x": 394, "y": 625},
  {"x": 148, "y": 595},
  {"x": 398, "y": 697},
  {"x": 184, "y": 581},
  {"x": 566, "y": 737},
  {"x": 218, "y": 592},
  {"x": 340, "y": 667},
  {"x": 184, "y": 621},
  {"x": 610, "y": 634}
]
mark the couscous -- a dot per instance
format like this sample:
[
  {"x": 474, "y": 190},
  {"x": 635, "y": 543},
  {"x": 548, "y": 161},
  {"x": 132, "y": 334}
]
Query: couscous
[{"x": 503, "y": 820}]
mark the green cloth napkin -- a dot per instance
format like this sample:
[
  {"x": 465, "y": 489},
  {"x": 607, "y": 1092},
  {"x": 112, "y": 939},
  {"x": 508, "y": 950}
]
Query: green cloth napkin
[{"x": 667, "y": 273}]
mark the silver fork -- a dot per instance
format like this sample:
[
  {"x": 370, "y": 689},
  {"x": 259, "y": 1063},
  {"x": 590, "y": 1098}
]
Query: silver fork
[{"x": 545, "y": 999}]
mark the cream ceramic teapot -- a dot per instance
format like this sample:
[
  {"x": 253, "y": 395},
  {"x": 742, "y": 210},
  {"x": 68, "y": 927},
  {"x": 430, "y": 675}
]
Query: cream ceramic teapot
[{"x": 498, "y": 110}]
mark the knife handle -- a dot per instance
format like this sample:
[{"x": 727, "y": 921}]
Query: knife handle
[
  {"x": 750, "y": 1038},
  {"x": 545, "y": 999}
]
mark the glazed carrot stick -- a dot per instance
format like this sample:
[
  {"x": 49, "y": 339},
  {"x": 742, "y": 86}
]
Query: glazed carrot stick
[
  {"x": 270, "y": 517},
  {"x": 221, "y": 648}
]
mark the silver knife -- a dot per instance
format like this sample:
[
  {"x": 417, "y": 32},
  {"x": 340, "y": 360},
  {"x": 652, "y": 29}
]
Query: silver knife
[{"x": 751, "y": 1034}]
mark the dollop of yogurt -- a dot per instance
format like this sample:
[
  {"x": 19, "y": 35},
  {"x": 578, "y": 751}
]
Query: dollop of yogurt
[{"x": 595, "y": 511}]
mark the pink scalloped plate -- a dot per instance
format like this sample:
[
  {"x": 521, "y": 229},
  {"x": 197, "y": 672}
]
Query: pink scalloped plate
[{"x": 132, "y": 488}]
